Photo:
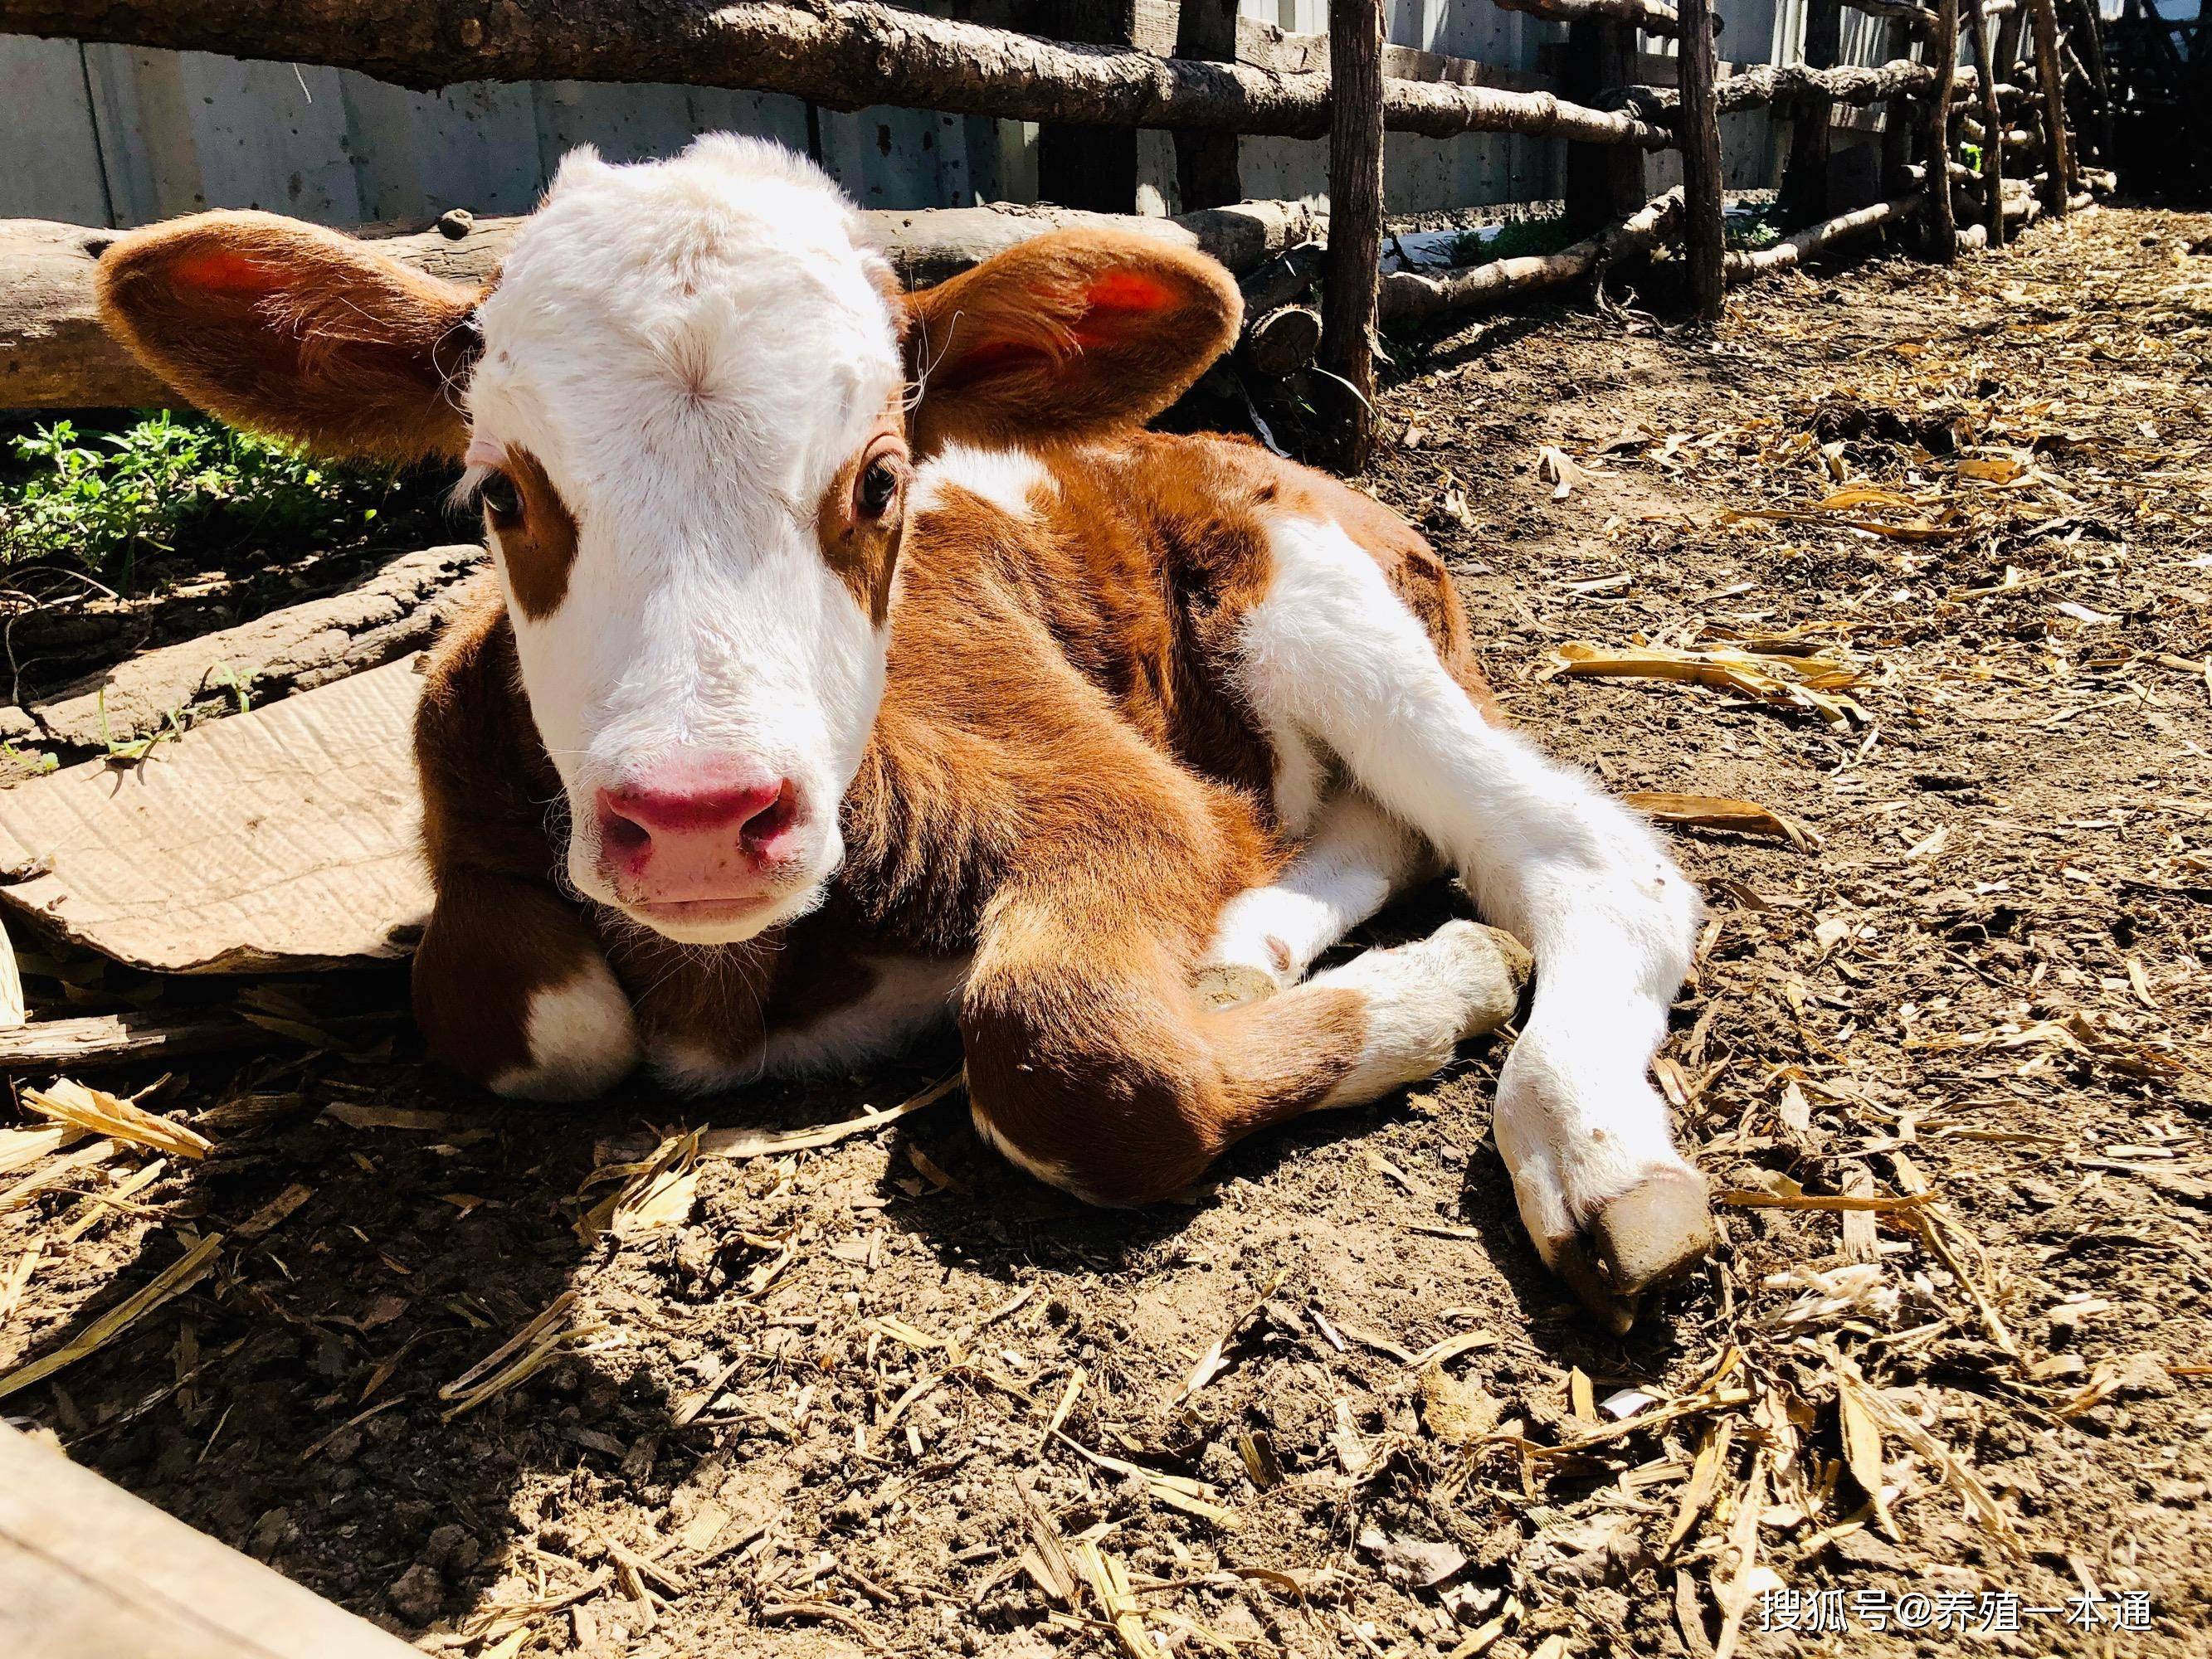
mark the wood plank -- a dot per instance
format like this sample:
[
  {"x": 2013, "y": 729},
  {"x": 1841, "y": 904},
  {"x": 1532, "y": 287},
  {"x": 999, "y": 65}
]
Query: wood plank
[{"x": 88, "y": 1572}]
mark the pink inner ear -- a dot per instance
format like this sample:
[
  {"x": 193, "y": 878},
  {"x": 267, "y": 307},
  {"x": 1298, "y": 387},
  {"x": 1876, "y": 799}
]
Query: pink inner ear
[
  {"x": 1129, "y": 290},
  {"x": 224, "y": 271}
]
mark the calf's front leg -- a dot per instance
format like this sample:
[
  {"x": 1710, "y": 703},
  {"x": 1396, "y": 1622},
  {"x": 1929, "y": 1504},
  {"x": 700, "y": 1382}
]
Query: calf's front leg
[{"x": 511, "y": 989}]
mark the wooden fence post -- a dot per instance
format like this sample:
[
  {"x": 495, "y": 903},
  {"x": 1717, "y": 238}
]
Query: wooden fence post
[
  {"x": 1805, "y": 187},
  {"x": 1993, "y": 126},
  {"x": 1605, "y": 182},
  {"x": 1896, "y": 117},
  {"x": 1207, "y": 171},
  {"x": 1355, "y": 219},
  {"x": 1080, "y": 166},
  {"x": 2058, "y": 154},
  {"x": 1703, "y": 229},
  {"x": 1942, "y": 228}
]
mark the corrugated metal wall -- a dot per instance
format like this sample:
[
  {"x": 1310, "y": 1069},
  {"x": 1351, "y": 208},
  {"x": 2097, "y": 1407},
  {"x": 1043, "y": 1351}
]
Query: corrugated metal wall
[{"x": 107, "y": 135}]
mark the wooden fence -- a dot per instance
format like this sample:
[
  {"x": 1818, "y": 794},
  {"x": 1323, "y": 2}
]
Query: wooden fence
[{"x": 1972, "y": 125}]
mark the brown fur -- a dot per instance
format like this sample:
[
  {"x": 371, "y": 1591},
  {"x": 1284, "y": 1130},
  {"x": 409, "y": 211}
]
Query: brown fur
[
  {"x": 295, "y": 331},
  {"x": 1078, "y": 332}
]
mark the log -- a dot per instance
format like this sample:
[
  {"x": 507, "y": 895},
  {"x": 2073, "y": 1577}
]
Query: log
[
  {"x": 1281, "y": 342},
  {"x": 2042, "y": 18},
  {"x": 1791, "y": 83},
  {"x": 86, "y": 1569},
  {"x": 1407, "y": 296},
  {"x": 397, "y": 609},
  {"x": 1994, "y": 156},
  {"x": 1355, "y": 228},
  {"x": 54, "y": 353},
  {"x": 93, "y": 1041},
  {"x": 844, "y": 54},
  {"x": 1816, "y": 238},
  {"x": 1704, "y": 230},
  {"x": 1207, "y": 163},
  {"x": 1652, "y": 16},
  {"x": 1943, "y": 231}
]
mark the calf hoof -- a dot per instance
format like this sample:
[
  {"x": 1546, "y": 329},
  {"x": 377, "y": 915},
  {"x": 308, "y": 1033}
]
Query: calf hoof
[
  {"x": 1644, "y": 1238},
  {"x": 1227, "y": 984}
]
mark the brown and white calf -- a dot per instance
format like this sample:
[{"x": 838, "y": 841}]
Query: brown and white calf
[{"x": 858, "y": 663}]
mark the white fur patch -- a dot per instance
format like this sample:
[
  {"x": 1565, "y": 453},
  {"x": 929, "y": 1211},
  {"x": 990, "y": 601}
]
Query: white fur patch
[
  {"x": 583, "y": 1039},
  {"x": 1009, "y": 479}
]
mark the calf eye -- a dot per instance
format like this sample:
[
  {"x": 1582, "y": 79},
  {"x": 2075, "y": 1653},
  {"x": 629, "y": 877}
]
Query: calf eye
[
  {"x": 499, "y": 497},
  {"x": 878, "y": 487}
]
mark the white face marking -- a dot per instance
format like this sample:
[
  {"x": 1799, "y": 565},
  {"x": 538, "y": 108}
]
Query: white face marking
[
  {"x": 692, "y": 350},
  {"x": 1009, "y": 479}
]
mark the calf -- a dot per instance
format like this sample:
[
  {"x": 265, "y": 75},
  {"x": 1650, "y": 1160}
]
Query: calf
[{"x": 859, "y": 662}]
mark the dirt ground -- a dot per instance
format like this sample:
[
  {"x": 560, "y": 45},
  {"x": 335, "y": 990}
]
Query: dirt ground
[{"x": 887, "y": 1395}]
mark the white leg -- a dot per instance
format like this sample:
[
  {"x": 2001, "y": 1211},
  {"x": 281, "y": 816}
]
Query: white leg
[
  {"x": 1611, "y": 1203},
  {"x": 1267, "y": 937}
]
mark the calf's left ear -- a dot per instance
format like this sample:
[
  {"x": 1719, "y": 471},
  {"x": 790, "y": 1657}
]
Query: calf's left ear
[
  {"x": 290, "y": 329},
  {"x": 1075, "y": 333}
]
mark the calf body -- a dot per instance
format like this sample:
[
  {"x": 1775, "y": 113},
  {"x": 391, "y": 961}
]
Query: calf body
[{"x": 860, "y": 665}]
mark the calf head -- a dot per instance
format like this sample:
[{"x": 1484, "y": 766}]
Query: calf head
[{"x": 689, "y": 406}]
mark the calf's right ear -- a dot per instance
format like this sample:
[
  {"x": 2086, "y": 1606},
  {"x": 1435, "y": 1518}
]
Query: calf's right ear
[{"x": 292, "y": 330}]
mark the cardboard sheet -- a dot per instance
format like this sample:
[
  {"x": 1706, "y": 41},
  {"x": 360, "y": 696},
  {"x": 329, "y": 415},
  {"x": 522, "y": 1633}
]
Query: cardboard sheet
[{"x": 282, "y": 839}]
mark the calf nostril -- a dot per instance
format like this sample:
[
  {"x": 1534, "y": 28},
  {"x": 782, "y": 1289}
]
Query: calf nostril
[
  {"x": 621, "y": 834},
  {"x": 771, "y": 820}
]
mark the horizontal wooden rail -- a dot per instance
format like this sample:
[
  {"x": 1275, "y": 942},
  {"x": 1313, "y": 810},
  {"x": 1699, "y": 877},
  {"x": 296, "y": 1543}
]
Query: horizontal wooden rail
[
  {"x": 844, "y": 54},
  {"x": 1788, "y": 84},
  {"x": 1920, "y": 18},
  {"x": 1652, "y": 16},
  {"x": 54, "y": 353}
]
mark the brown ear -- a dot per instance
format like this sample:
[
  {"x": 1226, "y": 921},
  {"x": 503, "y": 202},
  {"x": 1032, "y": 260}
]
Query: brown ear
[
  {"x": 1073, "y": 332},
  {"x": 294, "y": 330}
]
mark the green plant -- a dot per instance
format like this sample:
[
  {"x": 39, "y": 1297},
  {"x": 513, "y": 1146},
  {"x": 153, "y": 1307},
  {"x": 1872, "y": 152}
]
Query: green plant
[
  {"x": 103, "y": 503},
  {"x": 1514, "y": 239},
  {"x": 1972, "y": 153},
  {"x": 1752, "y": 228}
]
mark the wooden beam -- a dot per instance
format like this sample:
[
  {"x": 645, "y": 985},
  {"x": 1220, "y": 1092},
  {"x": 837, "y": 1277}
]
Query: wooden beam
[
  {"x": 86, "y": 1569},
  {"x": 1759, "y": 85},
  {"x": 1942, "y": 237},
  {"x": 1704, "y": 236},
  {"x": 1918, "y": 18},
  {"x": 844, "y": 54},
  {"x": 1355, "y": 227},
  {"x": 1652, "y": 16}
]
